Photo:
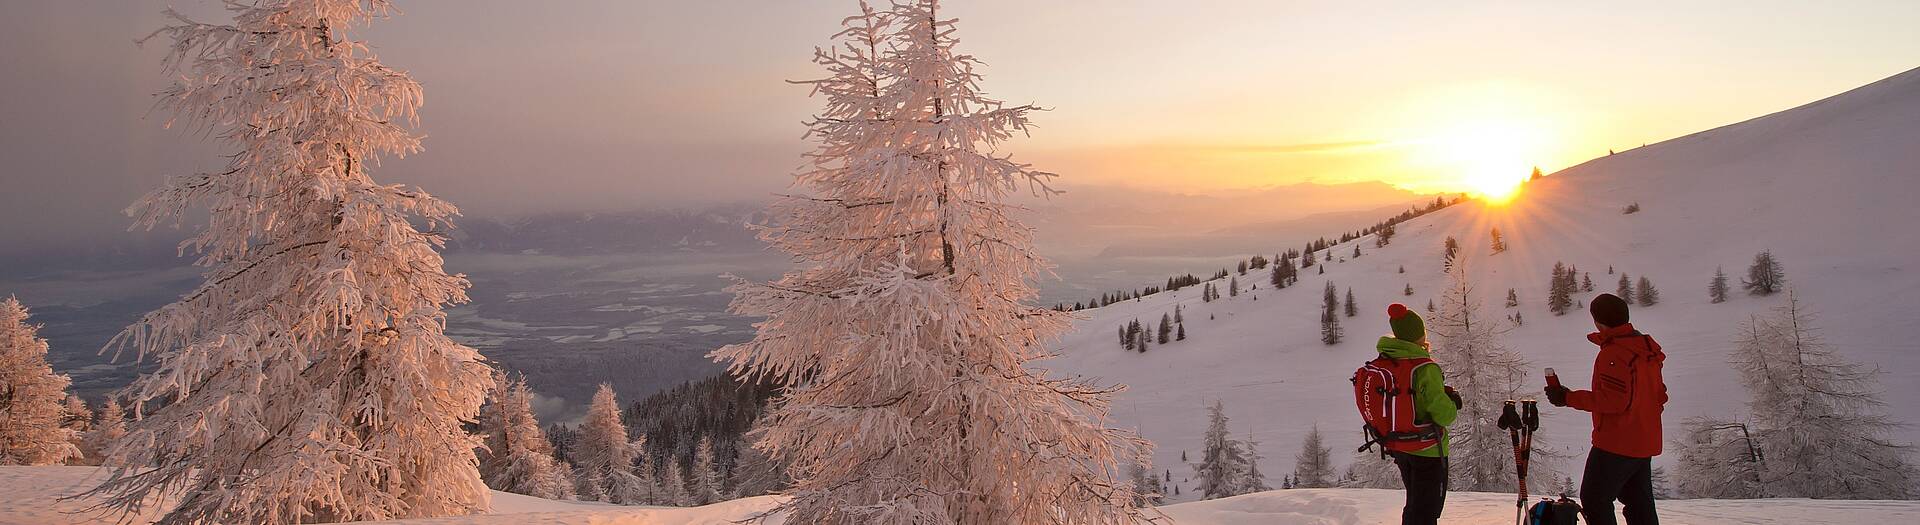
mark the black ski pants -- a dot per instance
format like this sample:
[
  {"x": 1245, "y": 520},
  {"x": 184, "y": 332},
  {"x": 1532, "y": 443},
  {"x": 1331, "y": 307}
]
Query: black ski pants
[
  {"x": 1426, "y": 482},
  {"x": 1612, "y": 477}
]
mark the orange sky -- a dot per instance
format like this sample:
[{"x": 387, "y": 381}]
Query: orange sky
[{"x": 622, "y": 104}]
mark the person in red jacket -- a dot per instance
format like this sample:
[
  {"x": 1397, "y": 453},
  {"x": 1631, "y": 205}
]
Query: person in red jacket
[{"x": 1627, "y": 398}]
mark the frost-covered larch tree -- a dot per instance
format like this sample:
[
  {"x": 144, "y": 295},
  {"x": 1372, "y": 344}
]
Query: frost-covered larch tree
[
  {"x": 1255, "y": 481},
  {"x": 309, "y": 378},
  {"x": 78, "y": 420},
  {"x": 1765, "y": 276},
  {"x": 705, "y": 480},
  {"x": 603, "y": 457},
  {"x": 31, "y": 395},
  {"x": 1370, "y": 471},
  {"x": 905, "y": 338},
  {"x": 109, "y": 430},
  {"x": 1222, "y": 469},
  {"x": 1313, "y": 466},
  {"x": 519, "y": 459},
  {"x": 1821, "y": 422},
  {"x": 1469, "y": 346}
]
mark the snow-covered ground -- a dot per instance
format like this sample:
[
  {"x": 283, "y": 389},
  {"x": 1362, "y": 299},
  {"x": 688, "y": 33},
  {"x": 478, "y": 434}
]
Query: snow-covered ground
[
  {"x": 1829, "y": 187},
  {"x": 32, "y": 496}
]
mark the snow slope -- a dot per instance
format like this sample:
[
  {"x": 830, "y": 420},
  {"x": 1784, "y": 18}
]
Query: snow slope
[
  {"x": 31, "y": 496},
  {"x": 1829, "y": 187}
]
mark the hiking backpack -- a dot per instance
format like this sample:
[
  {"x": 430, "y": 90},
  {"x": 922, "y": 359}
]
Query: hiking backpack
[
  {"x": 1550, "y": 512},
  {"x": 1383, "y": 391}
]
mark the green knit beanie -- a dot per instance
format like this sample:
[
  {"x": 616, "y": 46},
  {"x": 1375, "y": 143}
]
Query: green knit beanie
[{"x": 1407, "y": 326}]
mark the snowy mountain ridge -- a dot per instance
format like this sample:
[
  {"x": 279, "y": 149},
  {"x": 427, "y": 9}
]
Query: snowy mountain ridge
[{"x": 1827, "y": 187}]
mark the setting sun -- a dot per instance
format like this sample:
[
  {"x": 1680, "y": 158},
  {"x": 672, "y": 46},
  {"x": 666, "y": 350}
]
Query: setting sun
[{"x": 1491, "y": 156}]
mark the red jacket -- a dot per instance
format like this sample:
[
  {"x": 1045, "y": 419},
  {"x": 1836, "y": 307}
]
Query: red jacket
[{"x": 1628, "y": 394}]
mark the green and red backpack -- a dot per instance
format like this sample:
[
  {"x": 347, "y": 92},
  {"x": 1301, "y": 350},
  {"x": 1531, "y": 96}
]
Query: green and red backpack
[{"x": 1383, "y": 391}]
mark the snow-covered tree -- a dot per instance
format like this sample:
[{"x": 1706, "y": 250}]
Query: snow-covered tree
[
  {"x": 1717, "y": 459},
  {"x": 1222, "y": 470},
  {"x": 1647, "y": 294},
  {"x": 31, "y": 395},
  {"x": 754, "y": 473},
  {"x": 1148, "y": 489},
  {"x": 1765, "y": 276},
  {"x": 77, "y": 418},
  {"x": 518, "y": 458},
  {"x": 111, "y": 427},
  {"x": 1469, "y": 347},
  {"x": 705, "y": 480},
  {"x": 905, "y": 339},
  {"x": 1348, "y": 306},
  {"x": 604, "y": 456},
  {"x": 309, "y": 377},
  {"x": 1586, "y": 284},
  {"x": 1313, "y": 466},
  {"x": 1822, "y": 426},
  {"x": 1370, "y": 471},
  {"x": 1255, "y": 481},
  {"x": 1717, "y": 288},
  {"x": 1625, "y": 289},
  {"x": 673, "y": 486}
]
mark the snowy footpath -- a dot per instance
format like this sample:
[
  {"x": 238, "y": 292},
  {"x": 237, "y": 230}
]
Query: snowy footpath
[{"x": 32, "y": 496}]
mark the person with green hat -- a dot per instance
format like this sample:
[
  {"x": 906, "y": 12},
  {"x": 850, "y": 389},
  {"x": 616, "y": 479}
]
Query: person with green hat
[{"x": 1410, "y": 428}]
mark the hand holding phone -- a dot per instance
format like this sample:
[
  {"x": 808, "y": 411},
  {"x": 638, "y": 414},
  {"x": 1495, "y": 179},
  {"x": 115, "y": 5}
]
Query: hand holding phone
[{"x": 1553, "y": 379}]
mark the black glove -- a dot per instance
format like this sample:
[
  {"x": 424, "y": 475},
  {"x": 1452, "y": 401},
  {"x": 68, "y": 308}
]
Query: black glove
[
  {"x": 1557, "y": 395},
  {"x": 1455, "y": 396}
]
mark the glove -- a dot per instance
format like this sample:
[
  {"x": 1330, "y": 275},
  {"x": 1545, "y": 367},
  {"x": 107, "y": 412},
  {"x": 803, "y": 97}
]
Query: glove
[
  {"x": 1455, "y": 396},
  {"x": 1557, "y": 395}
]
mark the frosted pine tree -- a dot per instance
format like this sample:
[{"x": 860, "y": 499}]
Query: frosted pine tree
[
  {"x": 706, "y": 474},
  {"x": 1370, "y": 471},
  {"x": 77, "y": 418},
  {"x": 905, "y": 337},
  {"x": 1313, "y": 466},
  {"x": 1822, "y": 424},
  {"x": 309, "y": 377},
  {"x": 109, "y": 430},
  {"x": 1717, "y": 459},
  {"x": 673, "y": 486},
  {"x": 1469, "y": 347},
  {"x": 31, "y": 395},
  {"x": 1255, "y": 481},
  {"x": 1223, "y": 460},
  {"x": 519, "y": 458},
  {"x": 1559, "y": 291},
  {"x": 604, "y": 456}
]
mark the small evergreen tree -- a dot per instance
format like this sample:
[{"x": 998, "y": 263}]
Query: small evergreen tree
[
  {"x": 1625, "y": 289},
  {"x": 1313, "y": 466},
  {"x": 1717, "y": 288},
  {"x": 1180, "y": 332},
  {"x": 1223, "y": 461},
  {"x": 1499, "y": 242},
  {"x": 1408, "y": 291},
  {"x": 1233, "y": 287},
  {"x": 1513, "y": 298},
  {"x": 1765, "y": 276},
  {"x": 1351, "y": 309},
  {"x": 518, "y": 457},
  {"x": 1647, "y": 295},
  {"x": 1586, "y": 282},
  {"x": 108, "y": 431},
  {"x": 1166, "y": 328},
  {"x": 1559, "y": 296}
]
